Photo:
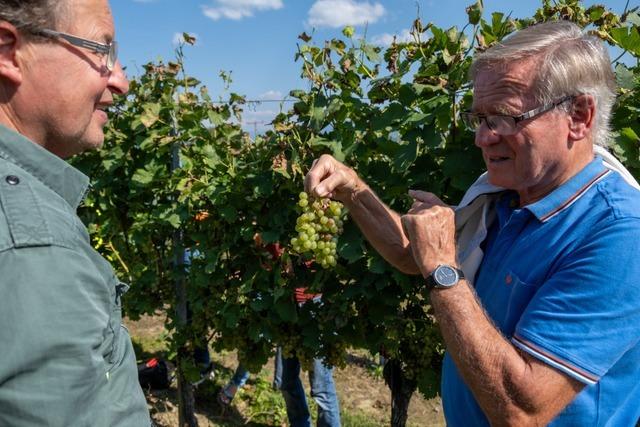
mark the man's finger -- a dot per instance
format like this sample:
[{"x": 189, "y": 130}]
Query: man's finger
[
  {"x": 326, "y": 187},
  {"x": 404, "y": 221},
  {"x": 426, "y": 197},
  {"x": 314, "y": 175}
]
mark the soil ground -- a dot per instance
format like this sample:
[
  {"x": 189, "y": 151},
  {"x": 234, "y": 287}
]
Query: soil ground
[{"x": 365, "y": 399}]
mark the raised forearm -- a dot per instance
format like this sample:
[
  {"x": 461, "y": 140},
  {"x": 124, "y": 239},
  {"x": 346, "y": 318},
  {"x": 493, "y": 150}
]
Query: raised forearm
[{"x": 381, "y": 226}]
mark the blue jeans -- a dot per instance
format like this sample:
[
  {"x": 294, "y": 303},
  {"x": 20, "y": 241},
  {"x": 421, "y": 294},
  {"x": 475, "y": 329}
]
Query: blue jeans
[
  {"x": 240, "y": 377},
  {"x": 323, "y": 391}
]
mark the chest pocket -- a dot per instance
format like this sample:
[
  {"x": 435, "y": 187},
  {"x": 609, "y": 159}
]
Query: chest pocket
[
  {"x": 117, "y": 289},
  {"x": 521, "y": 295},
  {"x": 27, "y": 224}
]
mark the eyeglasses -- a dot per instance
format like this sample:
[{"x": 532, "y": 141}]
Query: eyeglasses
[
  {"x": 504, "y": 124},
  {"x": 110, "y": 50}
]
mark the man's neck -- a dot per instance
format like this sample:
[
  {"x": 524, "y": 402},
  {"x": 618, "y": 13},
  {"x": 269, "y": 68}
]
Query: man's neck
[{"x": 583, "y": 155}]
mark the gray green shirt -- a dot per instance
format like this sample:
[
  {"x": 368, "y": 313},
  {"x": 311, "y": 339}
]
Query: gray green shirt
[{"x": 65, "y": 358}]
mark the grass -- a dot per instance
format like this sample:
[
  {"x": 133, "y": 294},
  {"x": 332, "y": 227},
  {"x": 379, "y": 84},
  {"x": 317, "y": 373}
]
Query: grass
[{"x": 364, "y": 398}]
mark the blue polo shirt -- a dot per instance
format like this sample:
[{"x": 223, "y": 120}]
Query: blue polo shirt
[{"x": 561, "y": 280}]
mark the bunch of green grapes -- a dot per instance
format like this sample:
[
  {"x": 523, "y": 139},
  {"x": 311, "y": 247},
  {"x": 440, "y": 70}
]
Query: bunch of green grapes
[{"x": 318, "y": 227}]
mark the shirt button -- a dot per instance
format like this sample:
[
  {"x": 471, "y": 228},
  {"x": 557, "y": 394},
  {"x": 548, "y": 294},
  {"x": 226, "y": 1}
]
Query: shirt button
[
  {"x": 13, "y": 180},
  {"x": 508, "y": 279}
]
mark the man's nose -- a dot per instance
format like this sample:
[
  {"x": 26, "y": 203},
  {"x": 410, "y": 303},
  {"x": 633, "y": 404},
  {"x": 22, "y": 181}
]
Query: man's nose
[
  {"x": 485, "y": 136},
  {"x": 118, "y": 82}
]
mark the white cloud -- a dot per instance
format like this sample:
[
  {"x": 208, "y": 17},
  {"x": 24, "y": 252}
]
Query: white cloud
[
  {"x": 238, "y": 9},
  {"x": 339, "y": 13},
  {"x": 271, "y": 94},
  {"x": 386, "y": 39},
  {"x": 178, "y": 38}
]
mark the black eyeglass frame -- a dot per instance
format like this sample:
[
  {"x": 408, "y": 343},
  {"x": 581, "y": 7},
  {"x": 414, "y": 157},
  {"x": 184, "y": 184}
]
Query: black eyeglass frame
[
  {"x": 470, "y": 118},
  {"x": 110, "y": 49}
]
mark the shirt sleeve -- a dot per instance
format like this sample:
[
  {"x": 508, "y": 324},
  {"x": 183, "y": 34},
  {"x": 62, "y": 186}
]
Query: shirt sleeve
[
  {"x": 55, "y": 312},
  {"x": 585, "y": 316}
]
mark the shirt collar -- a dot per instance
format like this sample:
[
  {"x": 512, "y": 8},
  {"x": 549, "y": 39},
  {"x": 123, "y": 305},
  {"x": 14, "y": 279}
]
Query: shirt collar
[
  {"x": 51, "y": 170},
  {"x": 569, "y": 192}
]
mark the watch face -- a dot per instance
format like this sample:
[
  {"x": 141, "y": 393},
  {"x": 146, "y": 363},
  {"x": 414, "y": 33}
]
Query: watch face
[{"x": 445, "y": 275}]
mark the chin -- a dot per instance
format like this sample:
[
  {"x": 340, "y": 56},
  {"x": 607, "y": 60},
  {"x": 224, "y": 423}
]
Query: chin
[
  {"x": 87, "y": 145},
  {"x": 499, "y": 181}
]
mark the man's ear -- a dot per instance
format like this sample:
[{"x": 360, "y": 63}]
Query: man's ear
[
  {"x": 582, "y": 117},
  {"x": 9, "y": 42}
]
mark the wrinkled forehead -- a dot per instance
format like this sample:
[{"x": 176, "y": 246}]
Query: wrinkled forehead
[
  {"x": 84, "y": 14},
  {"x": 509, "y": 83}
]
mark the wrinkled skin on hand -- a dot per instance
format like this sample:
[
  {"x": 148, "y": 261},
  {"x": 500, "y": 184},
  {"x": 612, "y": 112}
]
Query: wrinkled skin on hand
[
  {"x": 430, "y": 227},
  {"x": 330, "y": 178}
]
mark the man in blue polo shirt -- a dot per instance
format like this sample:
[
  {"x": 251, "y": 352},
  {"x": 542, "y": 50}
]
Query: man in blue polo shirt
[{"x": 535, "y": 282}]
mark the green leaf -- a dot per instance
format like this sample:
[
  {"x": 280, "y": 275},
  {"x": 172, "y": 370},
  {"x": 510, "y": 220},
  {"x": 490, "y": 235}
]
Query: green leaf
[
  {"x": 496, "y": 22},
  {"x": 297, "y": 93},
  {"x": 215, "y": 118},
  {"x": 475, "y": 12},
  {"x": 270, "y": 236},
  {"x": 629, "y": 147},
  {"x": 348, "y": 31},
  {"x": 596, "y": 12},
  {"x": 174, "y": 220},
  {"x": 317, "y": 118},
  {"x": 142, "y": 177},
  {"x": 406, "y": 156},
  {"x": 627, "y": 38},
  {"x": 634, "y": 19},
  {"x": 333, "y": 145},
  {"x": 452, "y": 35},
  {"x": 376, "y": 264},
  {"x": 371, "y": 52},
  {"x": 228, "y": 213},
  {"x": 625, "y": 77},
  {"x": 286, "y": 309},
  {"x": 351, "y": 244},
  {"x": 150, "y": 115}
]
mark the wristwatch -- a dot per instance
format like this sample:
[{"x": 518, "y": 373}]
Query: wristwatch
[{"x": 444, "y": 276}]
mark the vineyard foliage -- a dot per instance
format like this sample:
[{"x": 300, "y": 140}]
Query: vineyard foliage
[{"x": 177, "y": 171}]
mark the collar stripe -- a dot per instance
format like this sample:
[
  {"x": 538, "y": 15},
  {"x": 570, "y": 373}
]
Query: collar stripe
[{"x": 576, "y": 196}]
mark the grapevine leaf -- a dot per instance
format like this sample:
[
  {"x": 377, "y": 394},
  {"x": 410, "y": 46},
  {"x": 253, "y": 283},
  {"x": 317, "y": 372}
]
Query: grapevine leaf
[
  {"x": 348, "y": 31},
  {"x": 634, "y": 18},
  {"x": 351, "y": 245},
  {"x": 629, "y": 147},
  {"x": 627, "y": 38},
  {"x": 270, "y": 236},
  {"x": 625, "y": 77},
  {"x": 475, "y": 13},
  {"x": 286, "y": 309},
  {"x": 376, "y": 264},
  {"x": 142, "y": 177},
  {"x": 406, "y": 155},
  {"x": 150, "y": 115}
]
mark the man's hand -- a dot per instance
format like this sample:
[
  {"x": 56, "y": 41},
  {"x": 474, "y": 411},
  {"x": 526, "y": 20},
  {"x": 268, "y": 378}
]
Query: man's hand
[
  {"x": 330, "y": 178},
  {"x": 430, "y": 227}
]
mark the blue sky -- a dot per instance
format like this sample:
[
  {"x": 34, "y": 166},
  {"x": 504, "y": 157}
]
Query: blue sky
[{"x": 256, "y": 40}]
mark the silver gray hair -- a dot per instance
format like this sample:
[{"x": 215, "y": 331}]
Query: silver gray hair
[
  {"x": 29, "y": 16},
  {"x": 569, "y": 62}
]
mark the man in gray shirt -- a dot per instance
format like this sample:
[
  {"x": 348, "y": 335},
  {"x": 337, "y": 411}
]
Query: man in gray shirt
[{"x": 65, "y": 359}]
